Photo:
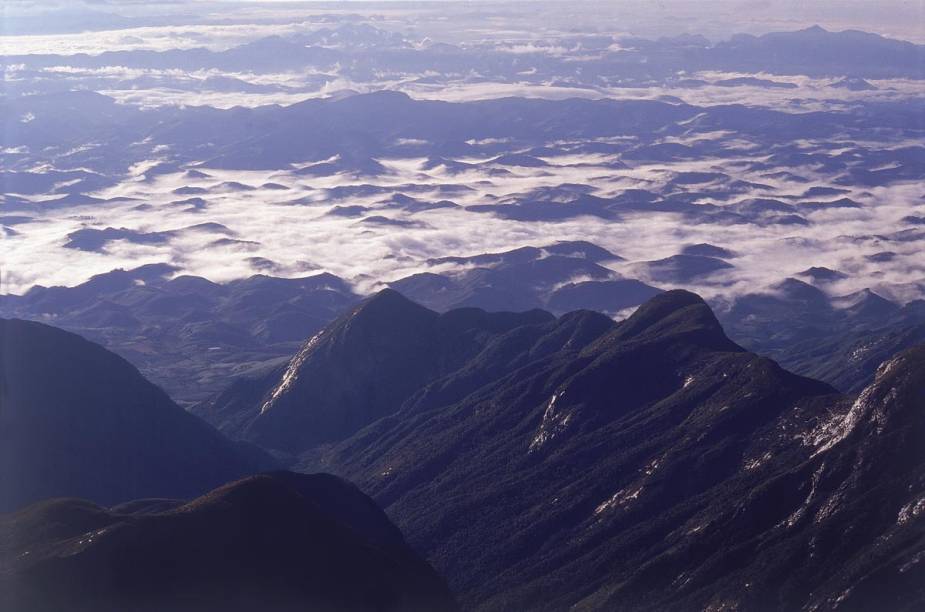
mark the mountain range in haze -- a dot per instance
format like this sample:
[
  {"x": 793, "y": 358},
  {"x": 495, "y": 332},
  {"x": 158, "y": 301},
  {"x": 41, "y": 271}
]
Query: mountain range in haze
[{"x": 190, "y": 335}]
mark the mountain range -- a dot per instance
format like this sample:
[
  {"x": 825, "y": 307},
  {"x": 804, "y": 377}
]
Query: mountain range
[
  {"x": 646, "y": 464},
  {"x": 191, "y": 336},
  {"x": 489, "y": 306},
  {"x": 650, "y": 463}
]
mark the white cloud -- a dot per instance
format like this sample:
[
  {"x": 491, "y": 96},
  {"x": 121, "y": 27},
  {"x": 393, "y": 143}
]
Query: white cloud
[{"x": 289, "y": 233}]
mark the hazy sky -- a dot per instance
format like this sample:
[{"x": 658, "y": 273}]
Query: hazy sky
[{"x": 714, "y": 18}]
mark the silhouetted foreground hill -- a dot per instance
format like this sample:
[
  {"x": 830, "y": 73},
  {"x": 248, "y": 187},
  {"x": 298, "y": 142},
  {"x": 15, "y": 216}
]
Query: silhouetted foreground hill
[
  {"x": 79, "y": 421},
  {"x": 274, "y": 542},
  {"x": 649, "y": 464}
]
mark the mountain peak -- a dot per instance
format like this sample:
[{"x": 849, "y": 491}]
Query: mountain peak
[
  {"x": 366, "y": 364},
  {"x": 673, "y": 313},
  {"x": 672, "y": 318},
  {"x": 388, "y": 296},
  {"x": 379, "y": 98},
  {"x": 903, "y": 374},
  {"x": 390, "y": 308},
  {"x": 673, "y": 300}
]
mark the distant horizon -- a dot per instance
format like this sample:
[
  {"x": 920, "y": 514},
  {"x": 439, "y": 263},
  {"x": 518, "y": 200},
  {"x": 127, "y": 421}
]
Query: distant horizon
[{"x": 717, "y": 19}]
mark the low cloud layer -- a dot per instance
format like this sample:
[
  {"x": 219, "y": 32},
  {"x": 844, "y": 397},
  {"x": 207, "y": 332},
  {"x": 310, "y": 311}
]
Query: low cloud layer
[
  {"x": 831, "y": 179},
  {"x": 304, "y": 228}
]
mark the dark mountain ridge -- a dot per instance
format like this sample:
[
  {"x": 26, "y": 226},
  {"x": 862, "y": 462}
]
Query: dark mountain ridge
[
  {"x": 646, "y": 464},
  {"x": 79, "y": 421},
  {"x": 277, "y": 542},
  {"x": 359, "y": 369}
]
